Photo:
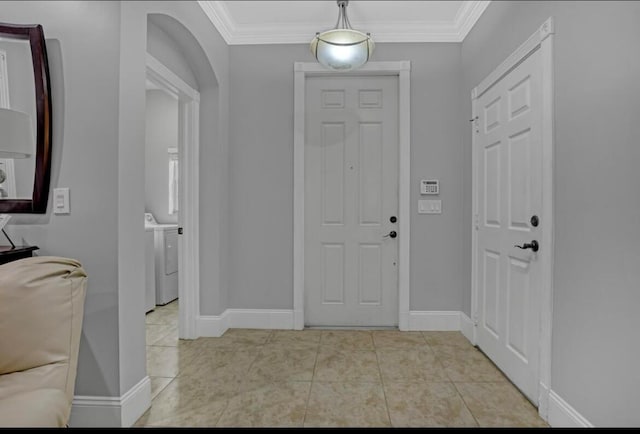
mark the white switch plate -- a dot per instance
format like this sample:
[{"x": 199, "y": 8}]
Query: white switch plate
[
  {"x": 429, "y": 207},
  {"x": 61, "y": 201}
]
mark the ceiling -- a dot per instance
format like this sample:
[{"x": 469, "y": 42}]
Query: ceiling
[{"x": 289, "y": 22}]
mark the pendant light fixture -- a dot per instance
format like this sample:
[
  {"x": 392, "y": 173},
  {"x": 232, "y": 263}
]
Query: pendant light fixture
[{"x": 342, "y": 48}]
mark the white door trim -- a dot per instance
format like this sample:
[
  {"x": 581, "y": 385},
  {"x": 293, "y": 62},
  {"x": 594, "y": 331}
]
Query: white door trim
[
  {"x": 302, "y": 70},
  {"x": 189, "y": 149},
  {"x": 541, "y": 40},
  {"x": 4, "y": 81}
]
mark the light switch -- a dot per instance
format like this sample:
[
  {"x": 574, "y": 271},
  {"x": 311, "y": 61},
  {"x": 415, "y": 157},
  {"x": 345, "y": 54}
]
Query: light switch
[
  {"x": 61, "y": 201},
  {"x": 429, "y": 207}
]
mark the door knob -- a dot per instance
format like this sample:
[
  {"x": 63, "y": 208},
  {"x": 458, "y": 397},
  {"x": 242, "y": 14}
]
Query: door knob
[
  {"x": 533, "y": 245},
  {"x": 391, "y": 234}
]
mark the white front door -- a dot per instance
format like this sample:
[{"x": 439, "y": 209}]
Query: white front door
[
  {"x": 351, "y": 201},
  {"x": 508, "y": 151}
]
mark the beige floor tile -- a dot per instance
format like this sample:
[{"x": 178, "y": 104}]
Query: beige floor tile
[
  {"x": 172, "y": 306},
  {"x": 169, "y": 340},
  {"x": 305, "y": 336},
  {"x": 167, "y": 361},
  {"x": 192, "y": 417},
  {"x": 410, "y": 365},
  {"x": 346, "y": 405},
  {"x": 467, "y": 364},
  {"x": 426, "y": 405},
  {"x": 155, "y": 332},
  {"x": 220, "y": 343},
  {"x": 295, "y": 345},
  {"x": 499, "y": 405},
  {"x": 186, "y": 396},
  {"x": 341, "y": 365},
  {"x": 347, "y": 339},
  {"x": 447, "y": 338},
  {"x": 215, "y": 365},
  {"x": 395, "y": 339},
  {"x": 187, "y": 345},
  {"x": 282, "y": 364},
  {"x": 248, "y": 336},
  {"x": 161, "y": 316},
  {"x": 267, "y": 405},
  {"x": 158, "y": 383},
  {"x": 299, "y": 340},
  {"x": 255, "y": 377}
]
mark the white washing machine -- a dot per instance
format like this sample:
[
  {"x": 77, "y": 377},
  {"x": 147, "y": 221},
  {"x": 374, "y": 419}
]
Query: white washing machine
[
  {"x": 166, "y": 259},
  {"x": 150, "y": 268}
]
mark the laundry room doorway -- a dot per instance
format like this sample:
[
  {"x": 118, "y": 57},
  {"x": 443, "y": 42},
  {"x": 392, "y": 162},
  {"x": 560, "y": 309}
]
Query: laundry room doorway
[{"x": 171, "y": 209}]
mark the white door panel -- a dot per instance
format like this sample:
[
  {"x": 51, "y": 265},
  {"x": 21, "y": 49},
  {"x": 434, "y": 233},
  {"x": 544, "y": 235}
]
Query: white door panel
[
  {"x": 509, "y": 189},
  {"x": 351, "y": 191}
]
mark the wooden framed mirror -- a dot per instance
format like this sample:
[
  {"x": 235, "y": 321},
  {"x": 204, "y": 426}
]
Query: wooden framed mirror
[{"x": 25, "y": 89}]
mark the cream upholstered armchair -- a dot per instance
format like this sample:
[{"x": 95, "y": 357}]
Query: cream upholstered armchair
[{"x": 41, "y": 309}]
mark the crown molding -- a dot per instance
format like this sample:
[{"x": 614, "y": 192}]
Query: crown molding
[
  {"x": 468, "y": 15},
  {"x": 424, "y": 31},
  {"x": 220, "y": 17}
]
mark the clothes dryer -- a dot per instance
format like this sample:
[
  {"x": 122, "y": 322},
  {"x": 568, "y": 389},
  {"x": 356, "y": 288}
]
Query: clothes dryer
[{"x": 166, "y": 259}]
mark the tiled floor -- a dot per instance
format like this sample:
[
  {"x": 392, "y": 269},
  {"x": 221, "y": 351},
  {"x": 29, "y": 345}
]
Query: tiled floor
[{"x": 325, "y": 378}]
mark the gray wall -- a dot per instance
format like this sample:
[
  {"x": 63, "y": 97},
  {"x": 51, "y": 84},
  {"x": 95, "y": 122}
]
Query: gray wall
[
  {"x": 83, "y": 47},
  {"x": 163, "y": 46},
  {"x": 597, "y": 260},
  {"x": 207, "y": 57},
  {"x": 261, "y": 128},
  {"x": 161, "y": 134},
  {"x": 97, "y": 56},
  {"x": 182, "y": 55}
]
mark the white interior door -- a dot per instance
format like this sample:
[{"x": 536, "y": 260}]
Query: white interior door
[
  {"x": 351, "y": 197},
  {"x": 509, "y": 193}
]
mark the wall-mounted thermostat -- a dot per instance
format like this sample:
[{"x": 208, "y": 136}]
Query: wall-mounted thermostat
[{"x": 429, "y": 186}]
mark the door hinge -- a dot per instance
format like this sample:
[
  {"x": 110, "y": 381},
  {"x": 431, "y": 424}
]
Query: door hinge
[{"x": 475, "y": 319}]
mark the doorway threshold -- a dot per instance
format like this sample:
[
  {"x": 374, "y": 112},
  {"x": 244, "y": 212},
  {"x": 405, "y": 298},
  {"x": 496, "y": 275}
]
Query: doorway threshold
[{"x": 351, "y": 327}]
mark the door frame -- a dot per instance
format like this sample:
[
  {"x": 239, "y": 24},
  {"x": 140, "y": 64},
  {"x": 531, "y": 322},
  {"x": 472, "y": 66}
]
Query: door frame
[
  {"x": 303, "y": 70},
  {"x": 188, "y": 202},
  {"x": 541, "y": 40}
]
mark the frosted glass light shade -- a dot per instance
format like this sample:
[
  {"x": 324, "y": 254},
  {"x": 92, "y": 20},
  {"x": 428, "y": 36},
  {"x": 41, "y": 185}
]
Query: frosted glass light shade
[
  {"x": 16, "y": 134},
  {"x": 342, "y": 49}
]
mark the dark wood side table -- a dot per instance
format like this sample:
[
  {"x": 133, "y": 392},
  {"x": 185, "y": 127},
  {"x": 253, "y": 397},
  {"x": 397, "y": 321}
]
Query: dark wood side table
[{"x": 8, "y": 253}]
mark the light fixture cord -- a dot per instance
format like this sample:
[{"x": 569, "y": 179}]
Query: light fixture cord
[
  {"x": 343, "y": 20},
  {"x": 13, "y": 246}
]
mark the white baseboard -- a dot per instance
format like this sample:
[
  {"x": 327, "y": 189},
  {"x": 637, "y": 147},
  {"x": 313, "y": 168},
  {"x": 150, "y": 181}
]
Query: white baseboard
[
  {"x": 543, "y": 401},
  {"x": 434, "y": 320},
  {"x": 260, "y": 318},
  {"x": 215, "y": 326},
  {"x": 135, "y": 402},
  {"x": 111, "y": 411},
  {"x": 212, "y": 326},
  {"x": 466, "y": 327},
  {"x": 562, "y": 415}
]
